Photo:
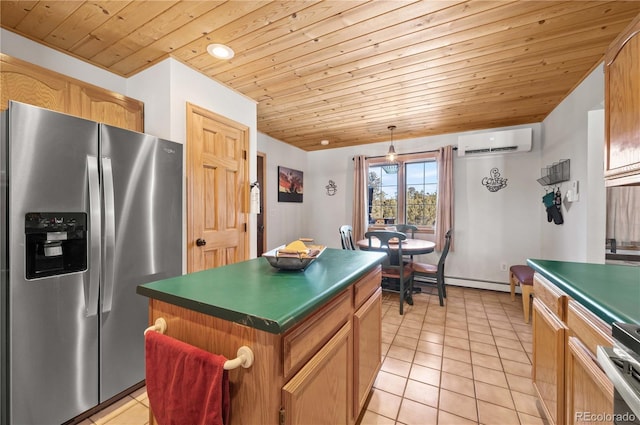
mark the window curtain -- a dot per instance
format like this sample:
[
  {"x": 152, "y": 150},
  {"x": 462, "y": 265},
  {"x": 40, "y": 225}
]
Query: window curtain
[
  {"x": 444, "y": 220},
  {"x": 623, "y": 214},
  {"x": 360, "y": 183}
]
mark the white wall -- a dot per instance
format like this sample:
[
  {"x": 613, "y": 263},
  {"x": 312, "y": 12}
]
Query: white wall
[
  {"x": 490, "y": 228},
  {"x": 285, "y": 221},
  {"x": 566, "y": 136}
]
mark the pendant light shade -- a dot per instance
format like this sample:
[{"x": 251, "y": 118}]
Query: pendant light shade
[{"x": 392, "y": 166}]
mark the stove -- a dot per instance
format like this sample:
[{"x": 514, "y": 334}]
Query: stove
[{"x": 621, "y": 363}]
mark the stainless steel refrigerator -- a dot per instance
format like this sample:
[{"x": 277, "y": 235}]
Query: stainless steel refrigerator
[{"x": 88, "y": 212}]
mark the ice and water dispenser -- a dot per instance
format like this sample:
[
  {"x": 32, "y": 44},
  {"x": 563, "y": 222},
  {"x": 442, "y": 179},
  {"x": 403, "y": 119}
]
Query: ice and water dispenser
[{"x": 56, "y": 243}]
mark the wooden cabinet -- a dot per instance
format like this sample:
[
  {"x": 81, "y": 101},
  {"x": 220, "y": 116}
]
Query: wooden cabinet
[
  {"x": 548, "y": 361},
  {"x": 622, "y": 107},
  {"x": 588, "y": 390},
  {"x": 319, "y": 371},
  {"x": 566, "y": 376},
  {"x": 321, "y": 393},
  {"x": 27, "y": 83}
]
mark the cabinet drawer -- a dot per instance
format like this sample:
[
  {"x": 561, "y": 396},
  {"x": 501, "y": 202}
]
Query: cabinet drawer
[
  {"x": 366, "y": 286},
  {"x": 587, "y": 327},
  {"x": 303, "y": 341},
  {"x": 550, "y": 295}
]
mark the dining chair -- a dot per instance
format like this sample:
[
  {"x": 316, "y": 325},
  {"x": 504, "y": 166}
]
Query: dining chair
[
  {"x": 434, "y": 274},
  {"x": 394, "y": 270},
  {"x": 346, "y": 237},
  {"x": 409, "y": 229}
]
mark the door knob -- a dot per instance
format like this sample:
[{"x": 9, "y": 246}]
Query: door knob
[{"x": 201, "y": 242}]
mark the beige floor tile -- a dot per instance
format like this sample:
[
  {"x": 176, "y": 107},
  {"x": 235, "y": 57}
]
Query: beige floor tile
[
  {"x": 413, "y": 413},
  {"x": 384, "y": 349},
  {"x": 446, "y": 418},
  {"x": 457, "y": 323},
  {"x": 504, "y": 333},
  {"x": 404, "y": 330},
  {"x": 413, "y": 322},
  {"x": 430, "y": 336},
  {"x": 490, "y": 414},
  {"x": 422, "y": 393},
  {"x": 484, "y": 360},
  {"x": 531, "y": 420},
  {"x": 526, "y": 403},
  {"x": 458, "y": 404},
  {"x": 493, "y": 394},
  {"x": 459, "y": 333},
  {"x": 479, "y": 328},
  {"x": 514, "y": 355},
  {"x": 482, "y": 348},
  {"x": 430, "y": 348},
  {"x": 113, "y": 410},
  {"x": 489, "y": 376},
  {"x": 401, "y": 353},
  {"x": 138, "y": 413},
  {"x": 404, "y": 341},
  {"x": 520, "y": 384},
  {"x": 428, "y": 360},
  {"x": 396, "y": 366},
  {"x": 391, "y": 328},
  {"x": 485, "y": 338},
  {"x": 425, "y": 374},
  {"x": 456, "y": 342},
  {"x": 456, "y": 354},
  {"x": 387, "y": 337},
  {"x": 372, "y": 418},
  {"x": 457, "y": 384},
  {"x": 508, "y": 343},
  {"x": 457, "y": 368},
  {"x": 384, "y": 404},
  {"x": 517, "y": 368},
  {"x": 390, "y": 383}
]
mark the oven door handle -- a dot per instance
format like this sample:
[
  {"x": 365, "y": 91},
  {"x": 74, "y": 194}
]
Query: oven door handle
[{"x": 617, "y": 377}]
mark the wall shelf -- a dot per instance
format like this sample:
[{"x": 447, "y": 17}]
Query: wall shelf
[{"x": 555, "y": 173}]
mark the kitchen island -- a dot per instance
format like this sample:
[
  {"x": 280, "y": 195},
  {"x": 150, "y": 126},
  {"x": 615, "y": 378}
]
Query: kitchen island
[
  {"x": 573, "y": 308},
  {"x": 315, "y": 334}
]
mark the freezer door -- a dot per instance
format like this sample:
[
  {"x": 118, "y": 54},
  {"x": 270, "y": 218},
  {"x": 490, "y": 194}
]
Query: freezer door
[
  {"x": 53, "y": 333},
  {"x": 142, "y": 185}
]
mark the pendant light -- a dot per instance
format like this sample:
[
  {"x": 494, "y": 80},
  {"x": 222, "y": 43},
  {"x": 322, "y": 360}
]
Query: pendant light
[{"x": 391, "y": 167}]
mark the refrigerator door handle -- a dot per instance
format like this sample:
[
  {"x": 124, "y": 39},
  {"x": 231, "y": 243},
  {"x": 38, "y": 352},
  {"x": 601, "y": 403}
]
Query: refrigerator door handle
[
  {"x": 109, "y": 234},
  {"x": 91, "y": 302}
]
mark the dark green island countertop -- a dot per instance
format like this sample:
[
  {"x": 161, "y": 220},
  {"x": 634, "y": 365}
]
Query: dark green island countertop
[
  {"x": 255, "y": 294},
  {"x": 610, "y": 291}
]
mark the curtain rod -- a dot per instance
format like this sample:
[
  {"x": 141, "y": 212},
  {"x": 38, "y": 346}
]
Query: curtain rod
[{"x": 455, "y": 148}]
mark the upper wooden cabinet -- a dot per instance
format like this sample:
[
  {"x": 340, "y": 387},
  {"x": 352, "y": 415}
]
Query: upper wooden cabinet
[
  {"x": 622, "y": 108},
  {"x": 28, "y": 83}
]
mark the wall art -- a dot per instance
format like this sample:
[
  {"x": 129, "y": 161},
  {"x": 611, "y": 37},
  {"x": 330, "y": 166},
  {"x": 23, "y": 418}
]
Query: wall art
[{"x": 290, "y": 185}]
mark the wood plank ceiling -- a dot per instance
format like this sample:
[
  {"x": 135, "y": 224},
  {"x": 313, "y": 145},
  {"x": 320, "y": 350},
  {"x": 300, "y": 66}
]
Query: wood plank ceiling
[{"x": 345, "y": 70}]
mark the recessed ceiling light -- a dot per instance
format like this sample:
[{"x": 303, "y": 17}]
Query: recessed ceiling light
[
  {"x": 220, "y": 51},
  {"x": 324, "y": 142}
]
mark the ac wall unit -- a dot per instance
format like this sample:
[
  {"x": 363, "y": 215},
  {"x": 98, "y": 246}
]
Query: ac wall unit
[{"x": 495, "y": 142}]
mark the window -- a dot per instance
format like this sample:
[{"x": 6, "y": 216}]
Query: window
[{"x": 408, "y": 196}]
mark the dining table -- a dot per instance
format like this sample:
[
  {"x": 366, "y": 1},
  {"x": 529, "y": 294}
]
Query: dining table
[{"x": 409, "y": 246}]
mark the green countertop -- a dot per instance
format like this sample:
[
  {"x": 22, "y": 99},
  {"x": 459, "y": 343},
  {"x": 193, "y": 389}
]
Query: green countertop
[
  {"x": 610, "y": 291},
  {"x": 255, "y": 294}
]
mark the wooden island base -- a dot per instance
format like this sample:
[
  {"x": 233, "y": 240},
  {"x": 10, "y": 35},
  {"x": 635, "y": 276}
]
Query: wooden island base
[{"x": 321, "y": 370}]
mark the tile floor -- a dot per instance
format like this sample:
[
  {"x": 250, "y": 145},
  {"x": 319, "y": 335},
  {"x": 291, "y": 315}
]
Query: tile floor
[{"x": 466, "y": 363}]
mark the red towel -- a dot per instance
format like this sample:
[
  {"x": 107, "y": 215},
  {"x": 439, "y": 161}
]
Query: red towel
[{"x": 185, "y": 384}]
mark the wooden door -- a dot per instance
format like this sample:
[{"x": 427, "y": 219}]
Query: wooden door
[{"x": 217, "y": 190}]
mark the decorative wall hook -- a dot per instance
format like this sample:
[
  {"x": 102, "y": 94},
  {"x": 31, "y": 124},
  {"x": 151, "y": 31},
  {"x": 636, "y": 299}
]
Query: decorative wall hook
[
  {"x": 495, "y": 182},
  {"x": 331, "y": 188}
]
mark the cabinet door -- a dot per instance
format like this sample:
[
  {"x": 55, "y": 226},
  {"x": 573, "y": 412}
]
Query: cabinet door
[
  {"x": 36, "y": 86},
  {"x": 622, "y": 106},
  {"x": 548, "y": 361},
  {"x": 367, "y": 339},
  {"x": 589, "y": 391},
  {"x": 101, "y": 105},
  {"x": 322, "y": 392}
]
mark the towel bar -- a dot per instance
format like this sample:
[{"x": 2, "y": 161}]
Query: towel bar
[{"x": 244, "y": 355}]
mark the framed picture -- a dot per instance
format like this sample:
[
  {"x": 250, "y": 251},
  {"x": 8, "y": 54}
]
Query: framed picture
[{"x": 289, "y": 185}]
